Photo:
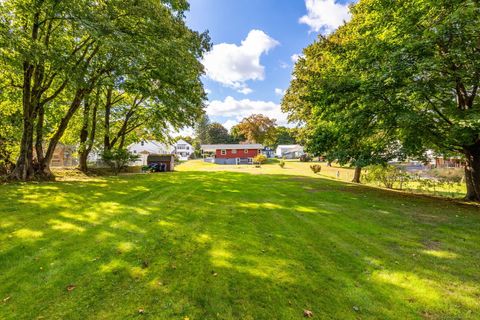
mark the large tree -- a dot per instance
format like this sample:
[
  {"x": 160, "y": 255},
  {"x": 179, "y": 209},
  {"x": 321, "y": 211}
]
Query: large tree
[
  {"x": 56, "y": 53},
  {"x": 413, "y": 68},
  {"x": 258, "y": 128},
  {"x": 217, "y": 134}
]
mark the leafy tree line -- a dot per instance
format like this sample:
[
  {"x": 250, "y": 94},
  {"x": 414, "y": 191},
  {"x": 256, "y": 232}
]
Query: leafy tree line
[
  {"x": 93, "y": 73},
  {"x": 256, "y": 128},
  {"x": 397, "y": 80}
]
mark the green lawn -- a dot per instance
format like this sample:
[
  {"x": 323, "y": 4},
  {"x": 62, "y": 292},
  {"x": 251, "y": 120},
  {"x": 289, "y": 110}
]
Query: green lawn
[{"x": 245, "y": 243}]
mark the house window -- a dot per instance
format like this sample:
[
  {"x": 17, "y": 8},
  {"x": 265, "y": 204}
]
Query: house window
[
  {"x": 245, "y": 150},
  {"x": 223, "y": 152},
  {"x": 234, "y": 151},
  {"x": 143, "y": 143}
]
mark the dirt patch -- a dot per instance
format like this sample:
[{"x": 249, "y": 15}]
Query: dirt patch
[{"x": 432, "y": 244}]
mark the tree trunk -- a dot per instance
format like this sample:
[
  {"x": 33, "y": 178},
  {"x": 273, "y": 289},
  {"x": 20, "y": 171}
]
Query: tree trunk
[
  {"x": 44, "y": 167},
  {"x": 357, "y": 175},
  {"x": 108, "y": 106},
  {"x": 24, "y": 165},
  {"x": 39, "y": 132},
  {"x": 83, "y": 155},
  {"x": 472, "y": 173}
]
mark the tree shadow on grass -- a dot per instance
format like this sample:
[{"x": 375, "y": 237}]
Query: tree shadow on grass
[{"x": 232, "y": 245}]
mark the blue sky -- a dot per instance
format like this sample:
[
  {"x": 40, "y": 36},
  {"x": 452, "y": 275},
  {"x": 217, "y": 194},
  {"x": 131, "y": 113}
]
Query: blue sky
[{"x": 255, "y": 46}]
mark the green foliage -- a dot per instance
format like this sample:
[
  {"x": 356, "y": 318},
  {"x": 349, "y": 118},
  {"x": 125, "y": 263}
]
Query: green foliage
[
  {"x": 387, "y": 175},
  {"x": 217, "y": 134},
  {"x": 118, "y": 159},
  {"x": 316, "y": 168},
  {"x": 284, "y": 136},
  {"x": 201, "y": 129},
  {"x": 260, "y": 158},
  {"x": 397, "y": 79},
  {"x": 55, "y": 54}
]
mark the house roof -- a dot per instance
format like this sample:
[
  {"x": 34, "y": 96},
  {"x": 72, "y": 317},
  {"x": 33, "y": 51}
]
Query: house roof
[
  {"x": 213, "y": 147},
  {"x": 150, "y": 146},
  {"x": 181, "y": 141},
  {"x": 289, "y": 146}
]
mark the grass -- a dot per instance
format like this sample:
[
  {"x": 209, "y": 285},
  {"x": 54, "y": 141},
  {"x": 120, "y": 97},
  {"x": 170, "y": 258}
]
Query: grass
[{"x": 228, "y": 242}]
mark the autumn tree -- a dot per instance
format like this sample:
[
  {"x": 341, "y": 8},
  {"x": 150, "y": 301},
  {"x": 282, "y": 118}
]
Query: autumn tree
[{"x": 258, "y": 128}]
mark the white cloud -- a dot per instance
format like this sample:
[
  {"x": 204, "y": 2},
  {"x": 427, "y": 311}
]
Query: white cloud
[
  {"x": 295, "y": 57},
  {"x": 233, "y": 65},
  {"x": 279, "y": 92},
  {"x": 229, "y": 124},
  {"x": 325, "y": 15},
  {"x": 245, "y": 90},
  {"x": 239, "y": 109}
]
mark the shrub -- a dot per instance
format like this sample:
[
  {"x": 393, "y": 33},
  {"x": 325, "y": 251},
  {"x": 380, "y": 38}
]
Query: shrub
[
  {"x": 118, "y": 159},
  {"x": 260, "y": 159},
  {"x": 316, "y": 168},
  {"x": 281, "y": 164},
  {"x": 385, "y": 174},
  {"x": 451, "y": 175},
  {"x": 305, "y": 158}
]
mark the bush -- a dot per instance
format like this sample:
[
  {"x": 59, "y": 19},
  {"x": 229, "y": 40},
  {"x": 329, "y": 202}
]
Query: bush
[
  {"x": 385, "y": 174},
  {"x": 118, "y": 159},
  {"x": 281, "y": 164},
  {"x": 450, "y": 175},
  {"x": 305, "y": 158},
  {"x": 260, "y": 159},
  {"x": 316, "y": 168}
]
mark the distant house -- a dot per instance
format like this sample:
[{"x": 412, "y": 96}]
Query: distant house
[
  {"x": 268, "y": 152},
  {"x": 63, "y": 156},
  {"x": 183, "y": 149},
  {"x": 231, "y": 153},
  {"x": 147, "y": 147},
  {"x": 292, "y": 151}
]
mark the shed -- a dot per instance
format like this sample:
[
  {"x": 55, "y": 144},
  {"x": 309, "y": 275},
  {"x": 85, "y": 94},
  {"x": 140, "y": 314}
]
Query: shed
[{"x": 167, "y": 159}]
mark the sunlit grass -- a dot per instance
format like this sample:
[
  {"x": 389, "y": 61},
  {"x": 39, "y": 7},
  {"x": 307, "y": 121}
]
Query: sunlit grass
[{"x": 234, "y": 242}]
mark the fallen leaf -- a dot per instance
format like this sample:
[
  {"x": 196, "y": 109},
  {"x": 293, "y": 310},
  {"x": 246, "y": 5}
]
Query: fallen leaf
[
  {"x": 6, "y": 299},
  {"x": 307, "y": 314},
  {"x": 356, "y": 309},
  {"x": 71, "y": 287},
  {"x": 141, "y": 311}
]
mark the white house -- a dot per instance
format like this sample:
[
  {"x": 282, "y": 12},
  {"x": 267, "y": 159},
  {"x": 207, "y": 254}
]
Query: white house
[
  {"x": 290, "y": 151},
  {"x": 146, "y": 147},
  {"x": 183, "y": 149}
]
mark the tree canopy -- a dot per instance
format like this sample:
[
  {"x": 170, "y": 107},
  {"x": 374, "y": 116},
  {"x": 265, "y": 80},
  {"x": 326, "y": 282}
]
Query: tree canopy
[
  {"x": 398, "y": 79},
  {"x": 136, "y": 62}
]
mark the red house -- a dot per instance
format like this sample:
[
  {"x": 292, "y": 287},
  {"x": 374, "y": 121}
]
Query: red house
[{"x": 231, "y": 153}]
